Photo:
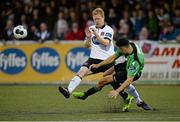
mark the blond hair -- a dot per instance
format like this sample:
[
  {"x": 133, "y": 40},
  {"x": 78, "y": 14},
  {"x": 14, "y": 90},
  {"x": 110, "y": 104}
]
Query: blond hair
[{"x": 98, "y": 11}]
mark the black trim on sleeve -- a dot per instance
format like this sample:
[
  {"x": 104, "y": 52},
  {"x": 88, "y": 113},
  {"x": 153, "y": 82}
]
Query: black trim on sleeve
[{"x": 107, "y": 38}]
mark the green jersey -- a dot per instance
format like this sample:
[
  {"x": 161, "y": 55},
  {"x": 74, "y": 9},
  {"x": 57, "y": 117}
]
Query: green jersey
[{"x": 134, "y": 61}]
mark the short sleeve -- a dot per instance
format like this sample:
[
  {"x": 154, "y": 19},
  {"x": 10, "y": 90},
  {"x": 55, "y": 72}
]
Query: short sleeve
[
  {"x": 133, "y": 69},
  {"x": 109, "y": 34}
]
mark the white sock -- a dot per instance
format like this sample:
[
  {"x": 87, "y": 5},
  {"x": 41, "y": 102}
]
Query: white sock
[
  {"x": 132, "y": 91},
  {"x": 74, "y": 83}
]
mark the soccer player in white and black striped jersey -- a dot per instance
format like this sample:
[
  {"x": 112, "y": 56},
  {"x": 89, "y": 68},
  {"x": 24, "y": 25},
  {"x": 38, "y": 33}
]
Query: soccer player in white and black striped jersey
[{"x": 100, "y": 38}]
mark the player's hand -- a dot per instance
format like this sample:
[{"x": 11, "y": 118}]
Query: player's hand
[
  {"x": 94, "y": 66},
  {"x": 87, "y": 32},
  {"x": 113, "y": 94},
  {"x": 94, "y": 31}
]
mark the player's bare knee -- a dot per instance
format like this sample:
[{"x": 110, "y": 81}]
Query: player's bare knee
[
  {"x": 82, "y": 72},
  {"x": 104, "y": 74},
  {"x": 104, "y": 80},
  {"x": 101, "y": 84}
]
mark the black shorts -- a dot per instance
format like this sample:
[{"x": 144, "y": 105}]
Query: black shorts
[
  {"x": 120, "y": 77},
  {"x": 91, "y": 61}
]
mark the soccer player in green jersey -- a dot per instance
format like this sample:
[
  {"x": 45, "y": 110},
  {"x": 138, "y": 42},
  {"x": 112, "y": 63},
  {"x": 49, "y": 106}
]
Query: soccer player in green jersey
[{"x": 122, "y": 79}]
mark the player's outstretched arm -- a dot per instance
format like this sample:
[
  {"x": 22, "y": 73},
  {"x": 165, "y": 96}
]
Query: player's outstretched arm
[
  {"x": 109, "y": 71},
  {"x": 105, "y": 62}
]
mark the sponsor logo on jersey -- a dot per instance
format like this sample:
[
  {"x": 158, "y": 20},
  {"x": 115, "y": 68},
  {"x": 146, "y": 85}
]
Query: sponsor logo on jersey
[
  {"x": 76, "y": 57},
  {"x": 45, "y": 60},
  {"x": 12, "y": 61},
  {"x": 102, "y": 33},
  {"x": 132, "y": 68},
  {"x": 108, "y": 35},
  {"x": 95, "y": 41}
]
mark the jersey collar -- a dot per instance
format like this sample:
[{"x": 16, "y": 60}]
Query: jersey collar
[{"x": 102, "y": 26}]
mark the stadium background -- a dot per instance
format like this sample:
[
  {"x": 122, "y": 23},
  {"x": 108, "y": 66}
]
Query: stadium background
[
  {"x": 56, "y": 56},
  {"x": 155, "y": 25}
]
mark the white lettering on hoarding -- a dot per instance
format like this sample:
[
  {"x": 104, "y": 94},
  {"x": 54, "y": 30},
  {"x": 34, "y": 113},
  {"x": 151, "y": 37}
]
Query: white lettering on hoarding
[
  {"x": 74, "y": 60},
  {"x": 44, "y": 60},
  {"x": 11, "y": 60},
  {"x": 174, "y": 75}
]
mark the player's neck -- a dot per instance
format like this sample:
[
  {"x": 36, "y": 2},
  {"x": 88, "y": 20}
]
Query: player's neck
[{"x": 101, "y": 26}]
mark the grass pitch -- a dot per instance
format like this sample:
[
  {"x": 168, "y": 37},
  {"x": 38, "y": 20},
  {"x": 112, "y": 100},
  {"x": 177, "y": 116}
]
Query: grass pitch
[{"x": 43, "y": 102}]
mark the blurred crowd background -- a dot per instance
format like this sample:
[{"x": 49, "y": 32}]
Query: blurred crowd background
[{"x": 67, "y": 19}]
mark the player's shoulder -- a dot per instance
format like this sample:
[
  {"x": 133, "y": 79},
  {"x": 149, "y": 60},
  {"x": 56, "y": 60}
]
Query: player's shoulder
[{"x": 107, "y": 27}]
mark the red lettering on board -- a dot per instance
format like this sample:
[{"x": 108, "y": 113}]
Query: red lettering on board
[
  {"x": 178, "y": 52},
  {"x": 176, "y": 64},
  {"x": 156, "y": 52},
  {"x": 168, "y": 51}
]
